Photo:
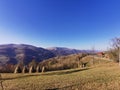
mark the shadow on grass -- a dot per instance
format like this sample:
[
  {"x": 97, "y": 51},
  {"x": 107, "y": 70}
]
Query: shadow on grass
[
  {"x": 45, "y": 74},
  {"x": 66, "y": 72},
  {"x": 70, "y": 86},
  {"x": 24, "y": 76}
]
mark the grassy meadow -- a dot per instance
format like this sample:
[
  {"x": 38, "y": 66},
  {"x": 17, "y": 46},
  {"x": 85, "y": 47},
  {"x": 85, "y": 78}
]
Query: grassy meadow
[{"x": 98, "y": 77}]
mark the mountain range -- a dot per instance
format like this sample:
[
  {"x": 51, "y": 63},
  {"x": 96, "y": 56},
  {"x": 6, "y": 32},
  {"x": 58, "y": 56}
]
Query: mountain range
[
  {"x": 63, "y": 51},
  {"x": 15, "y": 53}
]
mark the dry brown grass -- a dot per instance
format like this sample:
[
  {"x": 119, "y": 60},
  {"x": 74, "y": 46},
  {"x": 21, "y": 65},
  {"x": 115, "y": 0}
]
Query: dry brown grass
[{"x": 99, "y": 77}]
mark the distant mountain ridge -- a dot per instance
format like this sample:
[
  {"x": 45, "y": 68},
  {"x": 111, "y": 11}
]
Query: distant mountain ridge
[
  {"x": 62, "y": 51},
  {"x": 14, "y": 53}
]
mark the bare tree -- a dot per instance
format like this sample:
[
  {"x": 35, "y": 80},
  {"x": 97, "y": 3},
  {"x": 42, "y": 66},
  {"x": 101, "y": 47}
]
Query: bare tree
[
  {"x": 38, "y": 69},
  {"x": 24, "y": 70},
  {"x": 17, "y": 69},
  {"x": 115, "y": 50},
  {"x": 78, "y": 60},
  {"x": 33, "y": 63},
  {"x": 93, "y": 53},
  {"x": 43, "y": 69}
]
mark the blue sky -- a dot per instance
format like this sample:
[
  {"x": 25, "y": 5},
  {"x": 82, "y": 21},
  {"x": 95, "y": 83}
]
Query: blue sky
[{"x": 78, "y": 24}]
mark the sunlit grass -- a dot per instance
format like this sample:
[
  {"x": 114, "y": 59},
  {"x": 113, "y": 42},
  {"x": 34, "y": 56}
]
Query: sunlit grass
[{"x": 100, "y": 77}]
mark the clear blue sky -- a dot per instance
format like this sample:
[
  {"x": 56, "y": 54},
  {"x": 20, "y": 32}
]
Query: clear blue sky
[{"x": 78, "y": 24}]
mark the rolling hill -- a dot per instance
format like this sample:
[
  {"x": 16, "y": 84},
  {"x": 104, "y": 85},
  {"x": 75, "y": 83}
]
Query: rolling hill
[{"x": 14, "y": 53}]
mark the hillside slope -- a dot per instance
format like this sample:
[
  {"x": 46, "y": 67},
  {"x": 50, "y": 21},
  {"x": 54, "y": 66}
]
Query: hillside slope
[
  {"x": 14, "y": 53},
  {"x": 101, "y": 77},
  {"x": 71, "y": 61}
]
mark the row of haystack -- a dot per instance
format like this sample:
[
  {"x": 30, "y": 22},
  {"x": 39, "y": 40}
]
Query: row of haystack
[{"x": 31, "y": 69}]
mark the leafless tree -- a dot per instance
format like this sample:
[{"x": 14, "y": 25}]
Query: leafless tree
[
  {"x": 31, "y": 69},
  {"x": 24, "y": 70},
  {"x": 38, "y": 69},
  {"x": 43, "y": 69},
  {"x": 17, "y": 69},
  {"x": 93, "y": 52},
  {"x": 115, "y": 50}
]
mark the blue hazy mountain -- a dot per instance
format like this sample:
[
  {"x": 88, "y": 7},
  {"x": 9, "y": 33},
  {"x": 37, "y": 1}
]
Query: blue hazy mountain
[{"x": 15, "y": 53}]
